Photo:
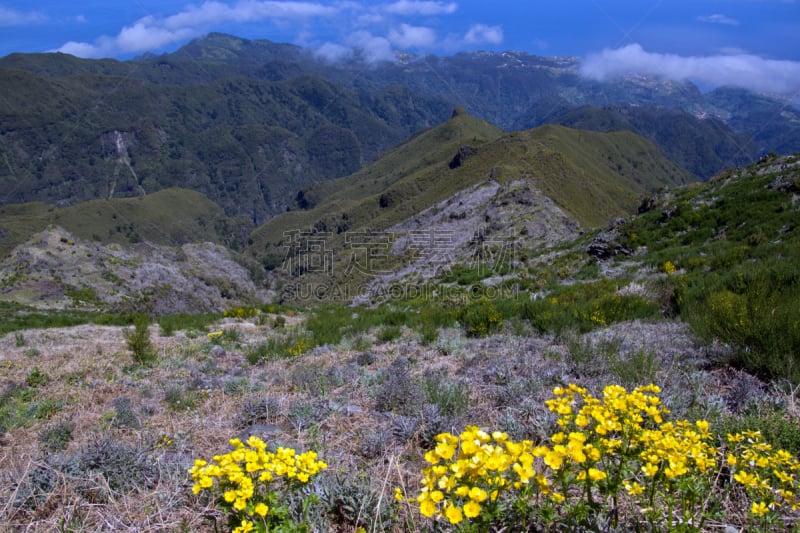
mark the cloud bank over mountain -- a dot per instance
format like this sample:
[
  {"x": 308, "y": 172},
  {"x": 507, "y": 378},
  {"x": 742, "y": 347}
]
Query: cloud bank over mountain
[
  {"x": 737, "y": 70},
  {"x": 372, "y": 31}
]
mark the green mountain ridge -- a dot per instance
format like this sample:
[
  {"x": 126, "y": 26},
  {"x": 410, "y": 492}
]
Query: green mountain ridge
[{"x": 593, "y": 177}]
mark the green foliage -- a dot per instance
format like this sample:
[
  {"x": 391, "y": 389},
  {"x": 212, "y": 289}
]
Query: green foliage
[
  {"x": 390, "y": 333},
  {"x": 169, "y": 324},
  {"x": 736, "y": 247},
  {"x": 586, "y": 306},
  {"x": 279, "y": 347},
  {"x": 138, "y": 341},
  {"x": 639, "y": 368},
  {"x": 15, "y": 317},
  {"x": 703, "y": 147},
  {"x": 56, "y": 436},
  {"x": 19, "y": 340},
  {"x": 36, "y": 378},
  {"x": 449, "y": 396},
  {"x": 44, "y": 409},
  {"x": 179, "y": 399},
  {"x": 481, "y": 318}
]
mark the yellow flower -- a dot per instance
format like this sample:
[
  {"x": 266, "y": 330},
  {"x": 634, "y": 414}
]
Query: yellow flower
[
  {"x": 398, "y": 494},
  {"x": 746, "y": 478},
  {"x": 649, "y": 469},
  {"x": 445, "y": 450},
  {"x": 633, "y": 488},
  {"x": 472, "y": 509},
  {"x": 597, "y": 475},
  {"x": 427, "y": 507},
  {"x": 759, "y": 508},
  {"x": 262, "y": 509},
  {"x": 477, "y": 494},
  {"x": 454, "y": 514},
  {"x": 246, "y": 527}
]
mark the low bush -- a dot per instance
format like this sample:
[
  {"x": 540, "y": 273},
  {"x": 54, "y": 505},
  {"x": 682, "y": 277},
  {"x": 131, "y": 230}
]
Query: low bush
[
  {"x": 138, "y": 341},
  {"x": 255, "y": 486}
]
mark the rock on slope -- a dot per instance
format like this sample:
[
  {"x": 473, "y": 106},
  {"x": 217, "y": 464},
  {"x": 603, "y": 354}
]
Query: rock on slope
[{"x": 486, "y": 222}]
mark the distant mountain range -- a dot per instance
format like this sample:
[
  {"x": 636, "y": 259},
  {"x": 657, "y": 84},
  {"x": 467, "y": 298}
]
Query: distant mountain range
[{"x": 249, "y": 123}]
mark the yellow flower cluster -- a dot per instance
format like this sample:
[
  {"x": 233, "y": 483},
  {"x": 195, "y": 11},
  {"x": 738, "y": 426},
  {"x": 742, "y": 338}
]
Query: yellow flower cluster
[
  {"x": 669, "y": 267},
  {"x": 618, "y": 441},
  {"x": 299, "y": 347},
  {"x": 769, "y": 476},
  {"x": 243, "y": 476},
  {"x": 241, "y": 312},
  {"x": 468, "y": 473},
  {"x": 624, "y": 437}
]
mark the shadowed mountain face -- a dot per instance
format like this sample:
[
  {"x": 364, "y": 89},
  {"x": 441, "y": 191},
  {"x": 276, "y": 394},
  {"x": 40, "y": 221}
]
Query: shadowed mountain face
[{"x": 246, "y": 144}]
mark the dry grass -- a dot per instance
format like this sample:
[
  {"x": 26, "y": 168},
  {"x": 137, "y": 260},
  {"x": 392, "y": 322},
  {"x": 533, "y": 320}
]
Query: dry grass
[{"x": 323, "y": 400}]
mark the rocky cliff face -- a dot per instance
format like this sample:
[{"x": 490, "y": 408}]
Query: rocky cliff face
[
  {"x": 54, "y": 269},
  {"x": 486, "y": 224}
]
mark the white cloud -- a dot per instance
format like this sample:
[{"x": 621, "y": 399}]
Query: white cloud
[
  {"x": 719, "y": 19},
  {"x": 740, "y": 70},
  {"x": 334, "y": 52},
  {"x": 412, "y": 36},
  {"x": 150, "y": 33},
  {"x": 481, "y": 33},
  {"x": 372, "y": 48},
  {"x": 410, "y": 7},
  {"x": 12, "y": 17}
]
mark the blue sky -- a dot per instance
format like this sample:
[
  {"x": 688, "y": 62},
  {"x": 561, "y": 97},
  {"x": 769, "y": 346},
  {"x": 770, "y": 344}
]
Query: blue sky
[{"x": 752, "y": 43}]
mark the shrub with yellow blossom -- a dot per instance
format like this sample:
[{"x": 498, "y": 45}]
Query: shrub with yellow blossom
[
  {"x": 768, "y": 476},
  {"x": 616, "y": 451},
  {"x": 623, "y": 441},
  {"x": 241, "y": 312},
  {"x": 468, "y": 474},
  {"x": 251, "y": 483}
]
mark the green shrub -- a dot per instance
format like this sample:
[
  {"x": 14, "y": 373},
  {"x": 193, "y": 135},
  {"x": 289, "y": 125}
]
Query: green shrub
[
  {"x": 281, "y": 347},
  {"x": 449, "y": 396},
  {"x": 753, "y": 308},
  {"x": 179, "y": 399},
  {"x": 481, "y": 319},
  {"x": 639, "y": 368},
  {"x": 36, "y": 378},
  {"x": 56, "y": 437},
  {"x": 169, "y": 324},
  {"x": 138, "y": 341},
  {"x": 19, "y": 340},
  {"x": 390, "y": 333}
]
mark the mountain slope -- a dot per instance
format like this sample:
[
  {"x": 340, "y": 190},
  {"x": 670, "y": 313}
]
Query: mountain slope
[
  {"x": 72, "y": 138},
  {"x": 169, "y": 217},
  {"x": 702, "y": 147},
  {"x": 588, "y": 177}
]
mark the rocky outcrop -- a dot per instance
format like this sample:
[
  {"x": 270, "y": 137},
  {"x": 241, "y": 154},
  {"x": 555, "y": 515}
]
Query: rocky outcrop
[
  {"x": 54, "y": 269},
  {"x": 607, "y": 244}
]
